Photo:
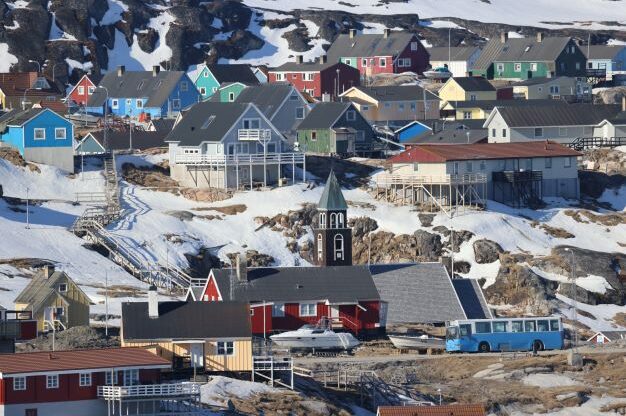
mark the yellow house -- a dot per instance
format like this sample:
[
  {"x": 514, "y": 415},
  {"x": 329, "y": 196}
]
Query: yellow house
[
  {"x": 569, "y": 88},
  {"x": 467, "y": 89},
  {"x": 54, "y": 299},
  {"x": 214, "y": 336}
]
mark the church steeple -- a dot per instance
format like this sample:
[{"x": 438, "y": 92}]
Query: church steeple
[{"x": 333, "y": 238}]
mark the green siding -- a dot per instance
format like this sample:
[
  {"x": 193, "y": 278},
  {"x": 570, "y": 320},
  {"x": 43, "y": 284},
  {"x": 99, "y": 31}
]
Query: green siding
[
  {"x": 509, "y": 70},
  {"x": 234, "y": 88},
  {"x": 207, "y": 81},
  {"x": 353, "y": 61},
  {"x": 321, "y": 145}
]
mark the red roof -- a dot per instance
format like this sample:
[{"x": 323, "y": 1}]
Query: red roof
[
  {"x": 65, "y": 361},
  {"x": 446, "y": 410},
  {"x": 435, "y": 153}
]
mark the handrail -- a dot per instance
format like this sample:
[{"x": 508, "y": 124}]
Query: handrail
[
  {"x": 201, "y": 159},
  {"x": 396, "y": 179},
  {"x": 149, "y": 390}
]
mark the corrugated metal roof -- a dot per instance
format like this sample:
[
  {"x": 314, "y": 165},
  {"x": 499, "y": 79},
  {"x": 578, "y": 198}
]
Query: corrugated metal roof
[
  {"x": 561, "y": 115},
  {"x": 324, "y": 115},
  {"x": 457, "y": 53},
  {"x": 332, "y": 198},
  {"x": 186, "y": 320},
  {"x": 109, "y": 358},
  {"x": 417, "y": 293},
  {"x": 121, "y": 139},
  {"x": 445, "y": 410},
  {"x": 432, "y": 153},
  {"x": 365, "y": 45}
]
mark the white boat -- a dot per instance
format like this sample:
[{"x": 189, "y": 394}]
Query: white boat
[
  {"x": 417, "y": 342},
  {"x": 316, "y": 337},
  {"x": 438, "y": 73}
]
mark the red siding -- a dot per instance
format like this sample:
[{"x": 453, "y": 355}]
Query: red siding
[
  {"x": 211, "y": 293},
  {"x": 260, "y": 324},
  {"x": 419, "y": 61},
  {"x": 323, "y": 82},
  {"x": 504, "y": 93},
  {"x": 81, "y": 99},
  {"x": 28, "y": 330}
]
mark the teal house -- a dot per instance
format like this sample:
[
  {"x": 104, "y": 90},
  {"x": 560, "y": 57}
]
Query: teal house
[{"x": 209, "y": 78}]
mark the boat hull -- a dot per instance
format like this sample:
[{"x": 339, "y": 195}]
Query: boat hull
[
  {"x": 317, "y": 343},
  {"x": 409, "y": 342}
]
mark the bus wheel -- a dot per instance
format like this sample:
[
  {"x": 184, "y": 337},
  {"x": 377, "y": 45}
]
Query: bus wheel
[
  {"x": 484, "y": 347},
  {"x": 537, "y": 346}
]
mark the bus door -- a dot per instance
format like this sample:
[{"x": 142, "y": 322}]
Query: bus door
[{"x": 518, "y": 339}]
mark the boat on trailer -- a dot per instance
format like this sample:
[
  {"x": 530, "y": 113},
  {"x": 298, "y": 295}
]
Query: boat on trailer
[
  {"x": 417, "y": 342},
  {"x": 440, "y": 73},
  {"x": 316, "y": 337}
]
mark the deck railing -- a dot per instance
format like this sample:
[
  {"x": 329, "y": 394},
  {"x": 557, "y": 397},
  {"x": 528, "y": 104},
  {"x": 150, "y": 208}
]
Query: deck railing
[
  {"x": 241, "y": 159},
  {"x": 149, "y": 390},
  {"x": 385, "y": 180},
  {"x": 254, "y": 134}
]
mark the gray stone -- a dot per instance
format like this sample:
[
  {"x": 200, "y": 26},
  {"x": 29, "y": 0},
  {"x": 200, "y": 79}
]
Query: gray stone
[
  {"x": 486, "y": 251},
  {"x": 575, "y": 359}
]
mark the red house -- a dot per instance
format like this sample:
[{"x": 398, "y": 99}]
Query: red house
[
  {"x": 84, "y": 89},
  {"x": 386, "y": 53},
  {"x": 316, "y": 78},
  {"x": 80, "y": 382},
  {"x": 285, "y": 298}
]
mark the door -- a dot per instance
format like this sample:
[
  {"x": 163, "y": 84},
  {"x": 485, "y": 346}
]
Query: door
[
  {"x": 600, "y": 339},
  {"x": 30, "y": 412},
  {"x": 382, "y": 314},
  {"x": 334, "y": 312},
  {"x": 48, "y": 314},
  {"x": 196, "y": 353}
]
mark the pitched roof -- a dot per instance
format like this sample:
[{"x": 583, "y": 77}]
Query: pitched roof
[
  {"x": 18, "y": 117},
  {"x": 489, "y": 105},
  {"x": 613, "y": 335},
  {"x": 520, "y": 50},
  {"x": 233, "y": 73},
  {"x": 433, "y": 153},
  {"x": 337, "y": 284},
  {"x": 332, "y": 198},
  {"x": 474, "y": 83},
  {"x": 450, "y": 136},
  {"x": 206, "y": 121},
  {"x": 76, "y": 360},
  {"x": 163, "y": 124},
  {"x": 417, "y": 293},
  {"x": 372, "y": 44},
  {"x": 39, "y": 288},
  {"x": 121, "y": 139},
  {"x": 137, "y": 84},
  {"x": 445, "y": 410},
  {"x": 311, "y": 66},
  {"x": 534, "y": 81},
  {"x": 602, "y": 51},
  {"x": 457, "y": 53},
  {"x": 396, "y": 93},
  {"x": 186, "y": 320},
  {"x": 472, "y": 299},
  {"x": 324, "y": 115},
  {"x": 559, "y": 115},
  {"x": 15, "y": 84},
  {"x": 267, "y": 97}
]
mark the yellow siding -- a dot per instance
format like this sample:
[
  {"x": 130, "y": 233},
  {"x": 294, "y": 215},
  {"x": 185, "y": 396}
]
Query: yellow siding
[
  {"x": 451, "y": 91},
  {"x": 477, "y": 114}
]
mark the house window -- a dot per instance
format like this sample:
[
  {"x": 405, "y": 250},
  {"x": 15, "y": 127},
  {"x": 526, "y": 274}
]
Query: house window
[
  {"x": 90, "y": 90},
  {"x": 351, "y": 115},
  {"x": 533, "y": 66},
  {"x": 348, "y": 62},
  {"x": 548, "y": 162},
  {"x": 563, "y": 66},
  {"x": 214, "y": 89},
  {"x": 310, "y": 76},
  {"x": 472, "y": 97},
  {"x": 52, "y": 381},
  {"x": 333, "y": 220},
  {"x": 500, "y": 68},
  {"x": 483, "y": 165},
  {"x": 404, "y": 62},
  {"x": 279, "y": 76},
  {"x": 365, "y": 108},
  {"x": 131, "y": 377},
  {"x": 401, "y": 107},
  {"x": 469, "y": 167},
  {"x": 467, "y": 115},
  {"x": 563, "y": 131},
  {"x": 81, "y": 90},
  {"x": 63, "y": 287},
  {"x": 115, "y": 104},
  {"x": 455, "y": 168},
  {"x": 320, "y": 248},
  {"x": 383, "y": 62},
  {"x": 110, "y": 378},
  {"x": 413, "y": 46},
  {"x": 278, "y": 310},
  {"x": 85, "y": 379},
  {"x": 59, "y": 312},
  {"x": 308, "y": 309},
  {"x": 251, "y": 123},
  {"x": 528, "y": 164},
  {"x": 205, "y": 74},
  {"x": 19, "y": 383},
  {"x": 39, "y": 134},
  {"x": 360, "y": 136},
  {"x": 203, "y": 90},
  {"x": 415, "y": 166},
  {"x": 176, "y": 104},
  {"x": 517, "y": 67},
  {"x": 60, "y": 133},
  {"x": 184, "y": 86},
  {"x": 364, "y": 62},
  {"x": 503, "y": 132},
  {"x": 538, "y": 132},
  {"x": 231, "y": 97},
  {"x": 568, "y": 162},
  {"x": 554, "y": 89},
  {"x": 338, "y": 247},
  {"x": 577, "y": 66},
  {"x": 299, "y": 113},
  {"x": 493, "y": 132},
  {"x": 313, "y": 136},
  {"x": 225, "y": 348},
  {"x": 413, "y": 107}
]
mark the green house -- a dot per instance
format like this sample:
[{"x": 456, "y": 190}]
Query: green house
[
  {"x": 335, "y": 128},
  {"x": 525, "y": 58},
  {"x": 209, "y": 78},
  {"x": 229, "y": 92}
]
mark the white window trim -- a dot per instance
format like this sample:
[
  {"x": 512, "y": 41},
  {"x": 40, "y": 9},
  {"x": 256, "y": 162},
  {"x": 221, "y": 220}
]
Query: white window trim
[
  {"x": 278, "y": 307},
  {"x": 139, "y": 103},
  {"x": 248, "y": 120},
  {"x": 176, "y": 104},
  {"x": 131, "y": 378},
  {"x": 535, "y": 132},
  {"x": 66, "y": 287},
  {"x": 52, "y": 385},
  {"x": 35, "y": 130},
  {"x": 90, "y": 90},
  {"x": 111, "y": 378},
  {"x": 225, "y": 348},
  {"x": 351, "y": 115},
  {"x": 88, "y": 379},
  {"x": 81, "y": 90},
  {"x": 115, "y": 104},
  {"x": 56, "y": 130},
  {"x": 203, "y": 90},
  {"x": 22, "y": 386},
  {"x": 307, "y": 312},
  {"x": 382, "y": 62}
]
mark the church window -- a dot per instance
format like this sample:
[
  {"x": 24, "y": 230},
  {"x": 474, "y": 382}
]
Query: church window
[
  {"x": 320, "y": 247},
  {"x": 338, "y": 247},
  {"x": 322, "y": 220},
  {"x": 340, "y": 220},
  {"x": 333, "y": 220}
]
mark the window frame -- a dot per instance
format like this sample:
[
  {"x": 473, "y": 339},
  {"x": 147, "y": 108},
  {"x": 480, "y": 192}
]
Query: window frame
[
  {"x": 547, "y": 162},
  {"x": 85, "y": 379},
  {"x": 533, "y": 67},
  {"x": 52, "y": 381},
  {"x": 278, "y": 310},
  {"x": 184, "y": 86},
  {"x": 382, "y": 62},
  {"x": 61, "y": 285},
  {"x": 568, "y": 162},
  {"x": 81, "y": 90},
  {"x": 111, "y": 378},
  {"x": 249, "y": 121},
  {"x": 39, "y": 129},
  {"x": 58, "y": 129},
  {"x": 132, "y": 380},
  {"x": 176, "y": 104},
  {"x": 91, "y": 90},
  {"x": 413, "y": 45},
  {"x": 202, "y": 90},
  {"x": 517, "y": 67},
  {"x": 350, "y": 115},
  {"x": 298, "y": 109},
  {"x": 225, "y": 348},
  {"x": 307, "y": 312},
  {"x": 22, "y": 383}
]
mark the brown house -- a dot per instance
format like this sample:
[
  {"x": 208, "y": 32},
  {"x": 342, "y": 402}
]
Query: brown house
[{"x": 24, "y": 89}]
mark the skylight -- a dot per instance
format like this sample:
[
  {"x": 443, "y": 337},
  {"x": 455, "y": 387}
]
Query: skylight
[{"x": 208, "y": 122}]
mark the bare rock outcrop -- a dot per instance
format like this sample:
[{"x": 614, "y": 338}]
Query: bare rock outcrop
[{"x": 486, "y": 251}]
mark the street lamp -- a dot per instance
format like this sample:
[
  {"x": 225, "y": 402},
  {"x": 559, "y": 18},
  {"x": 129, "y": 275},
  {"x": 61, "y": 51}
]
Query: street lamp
[
  {"x": 38, "y": 65},
  {"x": 53, "y": 70}
]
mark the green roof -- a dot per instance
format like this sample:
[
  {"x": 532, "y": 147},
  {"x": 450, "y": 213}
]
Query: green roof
[{"x": 332, "y": 198}]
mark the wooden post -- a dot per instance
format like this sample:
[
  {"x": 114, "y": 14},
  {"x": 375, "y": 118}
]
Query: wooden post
[
  {"x": 250, "y": 160},
  {"x": 303, "y": 167}
]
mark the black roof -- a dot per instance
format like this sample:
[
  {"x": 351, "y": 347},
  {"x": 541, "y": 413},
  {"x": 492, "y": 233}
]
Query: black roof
[
  {"x": 472, "y": 299},
  {"x": 324, "y": 115},
  {"x": 163, "y": 124},
  {"x": 17, "y": 117},
  {"x": 451, "y": 136},
  {"x": 521, "y": 50},
  {"x": 232, "y": 73},
  {"x": 208, "y": 121},
  {"x": 474, "y": 83},
  {"x": 455, "y": 53},
  {"x": 397, "y": 93},
  {"x": 120, "y": 139},
  {"x": 337, "y": 284},
  {"x": 267, "y": 97},
  {"x": 370, "y": 44},
  {"x": 186, "y": 320},
  {"x": 489, "y": 105},
  {"x": 559, "y": 115},
  {"x": 311, "y": 66}
]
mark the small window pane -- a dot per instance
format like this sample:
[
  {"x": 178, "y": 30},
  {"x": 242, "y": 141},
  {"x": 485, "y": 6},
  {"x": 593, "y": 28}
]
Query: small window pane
[
  {"x": 517, "y": 326},
  {"x": 500, "y": 326},
  {"x": 542, "y": 325},
  {"x": 483, "y": 327},
  {"x": 529, "y": 326}
]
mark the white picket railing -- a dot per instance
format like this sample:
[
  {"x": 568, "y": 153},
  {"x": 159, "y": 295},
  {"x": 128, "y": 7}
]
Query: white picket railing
[
  {"x": 254, "y": 134},
  {"x": 385, "y": 180},
  {"x": 240, "y": 159},
  {"x": 149, "y": 390}
]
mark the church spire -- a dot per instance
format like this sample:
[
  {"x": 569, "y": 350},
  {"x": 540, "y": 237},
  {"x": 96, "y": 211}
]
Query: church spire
[{"x": 332, "y": 198}]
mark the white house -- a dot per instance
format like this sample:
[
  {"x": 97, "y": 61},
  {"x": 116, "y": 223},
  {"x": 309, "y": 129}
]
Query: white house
[
  {"x": 610, "y": 58},
  {"x": 459, "y": 59}
]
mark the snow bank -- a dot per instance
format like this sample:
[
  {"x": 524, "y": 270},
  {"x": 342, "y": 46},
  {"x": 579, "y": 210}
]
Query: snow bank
[
  {"x": 217, "y": 391},
  {"x": 549, "y": 380},
  {"x": 8, "y": 59}
]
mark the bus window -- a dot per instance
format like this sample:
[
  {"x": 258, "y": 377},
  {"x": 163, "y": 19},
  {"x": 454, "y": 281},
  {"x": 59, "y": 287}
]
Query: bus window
[
  {"x": 517, "y": 326},
  {"x": 483, "y": 327},
  {"x": 452, "y": 332},
  {"x": 466, "y": 330},
  {"x": 554, "y": 324},
  {"x": 542, "y": 325},
  {"x": 500, "y": 326},
  {"x": 529, "y": 326}
]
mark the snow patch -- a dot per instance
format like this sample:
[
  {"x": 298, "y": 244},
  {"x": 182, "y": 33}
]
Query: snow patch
[
  {"x": 549, "y": 380},
  {"x": 8, "y": 59},
  {"x": 220, "y": 389},
  {"x": 162, "y": 52}
]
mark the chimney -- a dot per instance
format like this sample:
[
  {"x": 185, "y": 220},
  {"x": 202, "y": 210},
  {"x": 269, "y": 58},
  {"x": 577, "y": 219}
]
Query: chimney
[
  {"x": 624, "y": 103},
  {"x": 504, "y": 36},
  {"x": 241, "y": 264},
  {"x": 539, "y": 37},
  {"x": 323, "y": 59},
  {"x": 352, "y": 33},
  {"x": 298, "y": 59},
  {"x": 386, "y": 32},
  {"x": 155, "y": 70},
  {"x": 48, "y": 270},
  {"x": 153, "y": 303},
  {"x": 120, "y": 70}
]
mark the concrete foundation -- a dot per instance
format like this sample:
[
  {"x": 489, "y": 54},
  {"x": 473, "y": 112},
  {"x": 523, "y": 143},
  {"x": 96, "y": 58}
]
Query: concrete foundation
[{"x": 61, "y": 157}]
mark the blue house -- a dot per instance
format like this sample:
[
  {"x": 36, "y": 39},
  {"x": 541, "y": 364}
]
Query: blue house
[
  {"x": 412, "y": 130},
  {"x": 40, "y": 135},
  {"x": 133, "y": 93}
]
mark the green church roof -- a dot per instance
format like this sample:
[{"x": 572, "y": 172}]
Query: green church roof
[{"x": 332, "y": 198}]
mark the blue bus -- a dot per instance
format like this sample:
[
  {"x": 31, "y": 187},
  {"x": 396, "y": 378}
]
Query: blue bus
[{"x": 505, "y": 334}]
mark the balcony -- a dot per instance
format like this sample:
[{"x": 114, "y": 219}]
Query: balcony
[
  {"x": 254, "y": 135},
  {"x": 157, "y": 391},
  {"x": 513, "y": 176},
  {"x": 245, "y": 159},
  {"x": 596, "y": 73}
]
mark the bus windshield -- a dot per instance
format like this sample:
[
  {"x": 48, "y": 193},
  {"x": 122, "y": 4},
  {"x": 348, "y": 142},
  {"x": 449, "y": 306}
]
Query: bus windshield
[{"x": 452, "y": 332}]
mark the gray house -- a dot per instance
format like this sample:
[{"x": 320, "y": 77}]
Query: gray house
[
  {"x": 281, "y": 103},
  {"x": 229, "y": 145}
]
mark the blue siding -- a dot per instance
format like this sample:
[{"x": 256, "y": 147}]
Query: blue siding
[
  {"x": 13, "y": 136},
  {"x": 49, "y": 121},
  {"x": 412, "y": 131}
]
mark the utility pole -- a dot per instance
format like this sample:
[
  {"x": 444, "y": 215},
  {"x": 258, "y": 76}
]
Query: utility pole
[{"x": 106, "y": 303}]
